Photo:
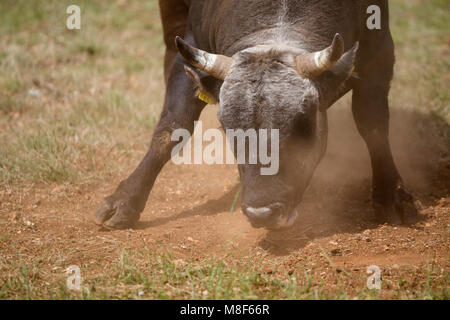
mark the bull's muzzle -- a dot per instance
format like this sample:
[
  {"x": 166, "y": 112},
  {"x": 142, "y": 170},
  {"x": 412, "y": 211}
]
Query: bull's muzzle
[{"x": 274, "y": 216}]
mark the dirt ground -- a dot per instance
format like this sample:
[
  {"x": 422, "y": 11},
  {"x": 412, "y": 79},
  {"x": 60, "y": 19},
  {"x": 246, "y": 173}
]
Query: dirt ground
[{"x": 188, "y": 214}]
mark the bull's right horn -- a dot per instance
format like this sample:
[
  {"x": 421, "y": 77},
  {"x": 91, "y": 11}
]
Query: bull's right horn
[
  {"x": 313, "y": 64},
  {"x": 215, "y": 65}
]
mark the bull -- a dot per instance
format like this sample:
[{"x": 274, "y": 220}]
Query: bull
[{"x": 273, "y": 64}]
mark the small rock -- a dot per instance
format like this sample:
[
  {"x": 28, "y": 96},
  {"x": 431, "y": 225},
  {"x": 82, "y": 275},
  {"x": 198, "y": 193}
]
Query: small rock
[
  {"x": 34, "y": 93},
  {"x": 268, "y": 270},
  {"x": 28, "y": 223},
  {"x": 57, "y": 189},
  {"x": 336, "y": 252},
  {"x": 192, "y": 240},
  {"x": 179, "y": 263},
  {"x": 444, "y": 202},
  {"x": 16, "y": 216},
  {"x": 419, "y": 205}
]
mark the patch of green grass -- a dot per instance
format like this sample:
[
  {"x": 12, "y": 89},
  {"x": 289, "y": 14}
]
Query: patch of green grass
[
  {"x": 420, "y": 30},
  {"x": 21, "y": 284},
  {"x": 9, "y": 105},
  {"x": 91, "y": 47},
  {"x": 11, "y": 98},
  {"x": 160, "y": 276},
  {"x": 84, "y": 88},
  {"x": 12, "y": 85},
  {"x": 17, "y": 14},
  {"x": 134, "y": 66},
  {"x": 146, "y": 274},
  {"x": 4, "y": 236},
  {"x": 43, "y": 156}
]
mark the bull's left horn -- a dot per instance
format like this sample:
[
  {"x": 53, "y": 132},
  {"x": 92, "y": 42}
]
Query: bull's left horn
[
  {"x": 216, "y": 65},
  {"x": 313, "y": 64}
]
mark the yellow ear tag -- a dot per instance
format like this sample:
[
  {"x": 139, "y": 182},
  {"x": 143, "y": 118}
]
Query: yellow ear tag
[{"x": 205, "y": 97}]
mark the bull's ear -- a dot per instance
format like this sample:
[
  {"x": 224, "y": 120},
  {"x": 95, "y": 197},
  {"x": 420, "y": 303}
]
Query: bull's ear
[
  {"x": 333, "y": 84},
  {"x": 206, "y": 87}
]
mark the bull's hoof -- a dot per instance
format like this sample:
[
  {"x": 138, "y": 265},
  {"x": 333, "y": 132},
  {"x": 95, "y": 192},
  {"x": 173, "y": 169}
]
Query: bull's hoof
[
  {"x": 405, "y": 206},
  {"x": 402, "y": 211},
  {"x": 116, "y": 214},
  {"x": 386, "y": 214}
]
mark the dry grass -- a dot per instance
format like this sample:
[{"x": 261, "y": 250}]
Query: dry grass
[{"x": 64, "y": 95}]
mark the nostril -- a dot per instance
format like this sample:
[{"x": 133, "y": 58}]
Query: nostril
[
  {"x": 258, "y": 213},
  {"x": 277, "y": 207}
]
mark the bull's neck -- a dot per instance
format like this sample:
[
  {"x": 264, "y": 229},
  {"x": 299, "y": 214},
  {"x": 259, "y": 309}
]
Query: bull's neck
[{"x": 280, "y": 29}]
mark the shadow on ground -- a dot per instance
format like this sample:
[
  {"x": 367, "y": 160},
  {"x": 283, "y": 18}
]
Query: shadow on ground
[
  {"x": 209, "y": 208},
  {"x": 338, "y": 199}
]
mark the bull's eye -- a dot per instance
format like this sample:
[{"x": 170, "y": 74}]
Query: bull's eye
[{"x": 278, "y": 61}]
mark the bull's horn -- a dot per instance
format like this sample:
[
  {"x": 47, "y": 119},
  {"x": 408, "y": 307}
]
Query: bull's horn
[
  {"x": 215, "y": 65},
  {"x": 313, "y": 64}
]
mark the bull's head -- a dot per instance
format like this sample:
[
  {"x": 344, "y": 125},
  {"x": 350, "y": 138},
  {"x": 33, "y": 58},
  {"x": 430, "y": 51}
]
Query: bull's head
[{"x": 276, "y": 87}]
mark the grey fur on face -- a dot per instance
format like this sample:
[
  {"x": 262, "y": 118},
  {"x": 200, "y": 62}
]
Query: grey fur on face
[{"x": 264, "y": 90}]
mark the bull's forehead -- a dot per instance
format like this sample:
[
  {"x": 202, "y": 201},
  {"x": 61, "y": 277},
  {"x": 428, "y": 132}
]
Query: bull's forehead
[
  {"x": 266, "y": 53},
  {"x": 264, "y": 90},
  {"x": 273, "y": 47}
]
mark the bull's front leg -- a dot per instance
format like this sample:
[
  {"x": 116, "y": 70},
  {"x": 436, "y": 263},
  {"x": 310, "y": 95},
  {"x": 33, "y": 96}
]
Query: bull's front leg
[
  {"x": 122, "y": 209},
  {"x": 391, "y": 201}
]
